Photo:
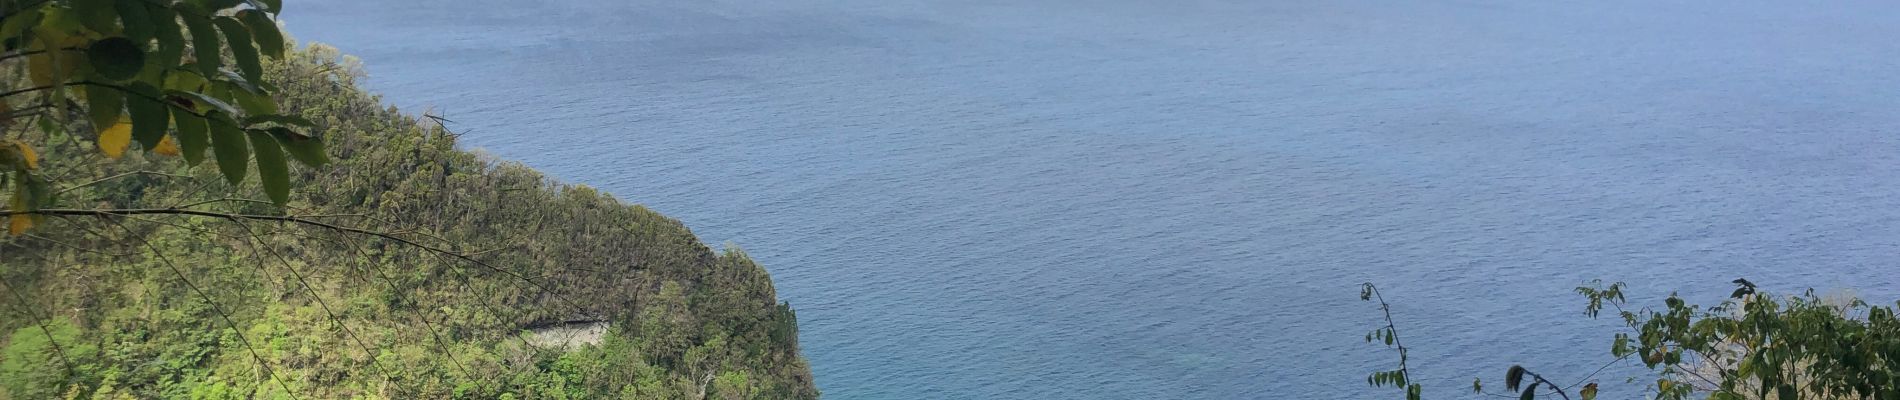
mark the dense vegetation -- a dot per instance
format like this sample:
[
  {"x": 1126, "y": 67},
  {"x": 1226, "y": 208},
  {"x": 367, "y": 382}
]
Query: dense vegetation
[
  {"x": 1755, "y": 345},
  {"x": 433, "y": 263}
]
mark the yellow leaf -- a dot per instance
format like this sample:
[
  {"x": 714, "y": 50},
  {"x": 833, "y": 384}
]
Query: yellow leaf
[
  {"x": 52, "y": 63},
  {"x": 166, "y": 147},
  {"x": 26, "y": 153},
  {"x": 19, "y": 223},
  {"x": 113, "y": 140},
  {"x": 40, "y": 69}
]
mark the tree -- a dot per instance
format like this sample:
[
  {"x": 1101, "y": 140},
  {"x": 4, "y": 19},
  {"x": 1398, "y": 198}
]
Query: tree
[
  {"x": 177, "y": 77},
  {"x": 1754, "y": 345}
]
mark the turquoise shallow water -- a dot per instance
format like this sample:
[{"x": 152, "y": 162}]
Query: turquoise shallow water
[{"x": 1130, "y": 199}]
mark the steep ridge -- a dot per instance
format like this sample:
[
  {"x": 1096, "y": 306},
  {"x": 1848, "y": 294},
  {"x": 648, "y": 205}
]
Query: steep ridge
[{"x": 192, "y": 307}]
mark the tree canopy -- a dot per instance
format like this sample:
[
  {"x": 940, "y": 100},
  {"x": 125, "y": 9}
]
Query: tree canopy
[{"x": 1755, "y": 345}]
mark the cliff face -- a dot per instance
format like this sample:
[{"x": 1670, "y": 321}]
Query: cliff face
[{"x": 178, "y": 307}]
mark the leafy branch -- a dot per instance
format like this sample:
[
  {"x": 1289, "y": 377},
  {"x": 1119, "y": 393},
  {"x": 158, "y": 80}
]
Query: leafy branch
[{"x": 1401, "y": 377}]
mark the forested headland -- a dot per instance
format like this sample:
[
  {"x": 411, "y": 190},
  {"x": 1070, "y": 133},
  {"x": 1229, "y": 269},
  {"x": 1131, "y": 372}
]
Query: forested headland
[{"x": 400, "y": 267}]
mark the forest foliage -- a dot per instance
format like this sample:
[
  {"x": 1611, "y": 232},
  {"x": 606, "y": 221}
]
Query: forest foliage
[
  {"x": 180, "y": 78},
  {"x": 1754, "y": 345},
  {"x": 468, "y": 253}
]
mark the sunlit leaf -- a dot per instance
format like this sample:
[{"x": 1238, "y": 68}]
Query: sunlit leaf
[
  {"x": 60, "y": 23},
  {"x": 185, "y": 78},
  {"x": 203, "y": 102},
  {"x": 18, "y": 224},
  {"x": 291, "y": 120},
  {"x": 114, "y": 139},
  {"x": 18, "y": 23},
  {"x": 166, "y": 147},
  {"x": 40, "y": 68},
  {"x": 252, "y": 101},
  {"x": 30, "y": 192},
  {"x": 28, "y": 158}
]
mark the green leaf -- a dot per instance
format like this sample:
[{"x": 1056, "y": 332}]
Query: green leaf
[
  {"x": 204, "y": 43},
  {"x": 270, "y": 41},
  {"x": 171, "y": 41},
  {"x": 97, "y": 15},
  {"x": 238, "y": 37},
  {"x": 192, "y": 135},
  {"x": 253, "y": 102},
  {"x": 237, "y": 81},
  {"x": 306, "y": 149},
  {"x": 116, "y": 58},
  {"x": 185, "y": 79},
  {"x": 104, "y": 105},
  {"x": 215, "y": 5},
  {"x": 17, "y": 24},
  {"x": 272, "y": 171},
  {"x": 229, "y": 146},
  {"x": 1514, "y": 377},
  {"x": 137, "y": 22},
  {"x": 204, "y": 102},
  {"x": 149, "y": 117},
  {"x": 291, "y": 120},
  {"x": 1530, "y": 393}
]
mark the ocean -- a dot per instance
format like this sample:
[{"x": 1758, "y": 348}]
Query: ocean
[{"x": 1147, "y": 199}]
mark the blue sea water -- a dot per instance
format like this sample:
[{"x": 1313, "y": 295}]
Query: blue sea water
[{"x": 1146, "y": 199}]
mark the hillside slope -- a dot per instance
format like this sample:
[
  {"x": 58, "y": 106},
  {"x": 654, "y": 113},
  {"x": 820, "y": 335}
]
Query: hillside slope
[{"x": 186, "y": 307}]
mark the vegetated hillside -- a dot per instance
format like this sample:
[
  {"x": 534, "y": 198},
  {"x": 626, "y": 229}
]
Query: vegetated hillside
[{"x": 168, "y": 306}]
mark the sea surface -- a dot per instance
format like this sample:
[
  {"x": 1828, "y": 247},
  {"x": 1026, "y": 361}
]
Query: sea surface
[{"x": 1162, "y": 199}]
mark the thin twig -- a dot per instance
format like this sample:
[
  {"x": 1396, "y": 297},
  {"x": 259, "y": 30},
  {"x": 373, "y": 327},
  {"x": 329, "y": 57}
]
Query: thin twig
[
  {"x": 57, "y": 350},
  {"x": 121, "y": 175},
  {"x": 434, "y": 333},
  {"x": 258, "y": 241},
  {"x": 235, "y": 330}
]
